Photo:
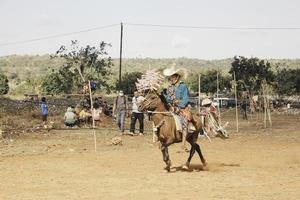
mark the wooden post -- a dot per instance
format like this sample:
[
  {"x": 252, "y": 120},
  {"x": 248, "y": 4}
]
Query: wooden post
[
  {"x": 120, "y": 64},
  {"x": 91, "y": 100},
  {"x": 236, "y": 108},
  {"x": 199, "y": 92},
  {"x": 269, "y": 108},
  {"x": 265, "y": 106},
  {"x": 269, "y": 115},
  {"x": 219, "y": 112}
]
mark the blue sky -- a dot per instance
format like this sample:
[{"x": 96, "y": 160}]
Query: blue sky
[{"x": 23, "y": 20}]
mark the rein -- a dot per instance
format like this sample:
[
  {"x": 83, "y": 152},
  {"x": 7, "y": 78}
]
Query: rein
[{"x": 157, "y": 112}]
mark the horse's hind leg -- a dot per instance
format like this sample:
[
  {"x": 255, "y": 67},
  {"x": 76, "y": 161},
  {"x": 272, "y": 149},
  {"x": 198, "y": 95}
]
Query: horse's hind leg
[
  {"x": 197, "y": 147},
  {"x": 165, "y": 152}
]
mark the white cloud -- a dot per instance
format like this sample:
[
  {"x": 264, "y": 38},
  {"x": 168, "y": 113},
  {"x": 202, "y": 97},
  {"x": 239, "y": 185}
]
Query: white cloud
[{"x": 179, "y": 41}]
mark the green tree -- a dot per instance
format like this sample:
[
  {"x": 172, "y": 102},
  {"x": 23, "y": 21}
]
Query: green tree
[
  {"x": 250, "y": 73},
  {"x": 128, "y": 82},
  {"x": 87, "y": 63},
  {"x": 4, "y": 88},
  {"x": 209, "y": 82},
  {"x": 58, "y": 82},
  {"x": 288, "y": 81}
]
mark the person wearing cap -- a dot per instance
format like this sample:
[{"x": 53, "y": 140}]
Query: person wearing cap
[
  {"x": 70, "y": 117},
  {"x": 208, "y": 108},
  {"x": 119, "y": 110},
  {"x": 136, "y": 115},
  {"x": 177, "y": 95}
]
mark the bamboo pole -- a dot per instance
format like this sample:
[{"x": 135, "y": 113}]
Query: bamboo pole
[
  {"x": 265, "y": 106},
  {"x": 199, "y": 92},
  {"x": 236, "y": 108},
  {"x": 94, "y": 133},
  {"x": 269, "y": 112},
  {"x": 269, "y": 116},
  {"x": 219, "y": 112}
]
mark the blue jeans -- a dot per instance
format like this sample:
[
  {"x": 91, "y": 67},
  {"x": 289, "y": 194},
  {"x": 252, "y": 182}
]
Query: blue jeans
[{"x": 121, "y": 119}]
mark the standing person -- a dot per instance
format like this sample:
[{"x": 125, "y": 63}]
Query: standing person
[
  {"x": 119, "y": 110},
  {"x": 244, "y": 109},
  {"x": 136, "y": 115},
  {"x": 44, "y": 111}
]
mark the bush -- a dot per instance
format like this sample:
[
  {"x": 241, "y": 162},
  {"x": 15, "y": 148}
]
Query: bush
[{"x": 4, "y": 88}]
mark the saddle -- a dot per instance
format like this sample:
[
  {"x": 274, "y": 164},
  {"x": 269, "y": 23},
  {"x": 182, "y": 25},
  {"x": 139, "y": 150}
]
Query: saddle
[
  {"x": 183, "y": 120},
  {"x": 186, "y": 114}
]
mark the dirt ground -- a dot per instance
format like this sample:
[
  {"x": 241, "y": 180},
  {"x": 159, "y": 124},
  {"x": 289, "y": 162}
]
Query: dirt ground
[{"x": 252, "y": 164}]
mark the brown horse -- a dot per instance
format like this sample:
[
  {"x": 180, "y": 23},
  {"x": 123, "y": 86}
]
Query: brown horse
[{"x": 166, "y": 127}]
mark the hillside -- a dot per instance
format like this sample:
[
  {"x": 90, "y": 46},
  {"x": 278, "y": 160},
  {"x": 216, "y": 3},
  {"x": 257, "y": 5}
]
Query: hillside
[{"x": 20, "y": 68}]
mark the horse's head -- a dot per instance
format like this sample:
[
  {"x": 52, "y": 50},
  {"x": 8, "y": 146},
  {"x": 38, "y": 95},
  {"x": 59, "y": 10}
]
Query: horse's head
[{"x": 153, "y": 100}]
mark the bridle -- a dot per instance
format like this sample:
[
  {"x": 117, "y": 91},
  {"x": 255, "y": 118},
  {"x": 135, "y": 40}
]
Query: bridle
[{"x": 148, "y": 102}]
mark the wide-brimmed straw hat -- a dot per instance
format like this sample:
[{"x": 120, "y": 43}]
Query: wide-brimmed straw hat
[
  {"x": 172, "y": 70},
  {"x": 206, "y": 102}
]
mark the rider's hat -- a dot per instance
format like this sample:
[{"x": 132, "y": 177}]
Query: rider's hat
[{"x": 172, "y": 70}]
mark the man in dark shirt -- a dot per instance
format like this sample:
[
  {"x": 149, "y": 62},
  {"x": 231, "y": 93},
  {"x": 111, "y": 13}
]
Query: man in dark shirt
[{"x": 119, "y": 110}]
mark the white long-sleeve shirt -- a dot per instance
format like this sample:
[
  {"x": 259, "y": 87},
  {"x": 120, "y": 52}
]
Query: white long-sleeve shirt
[{"x": 135, "y": 102}]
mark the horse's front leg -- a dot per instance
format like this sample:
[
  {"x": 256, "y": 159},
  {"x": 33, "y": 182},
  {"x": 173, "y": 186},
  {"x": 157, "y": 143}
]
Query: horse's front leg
[
  {"x": 166, "y": 158},
  {"x": 192, "y": 152}
]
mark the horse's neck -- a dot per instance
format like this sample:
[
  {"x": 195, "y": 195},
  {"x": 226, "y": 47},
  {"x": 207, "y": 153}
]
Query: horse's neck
[{"x": 157, "y": 117}]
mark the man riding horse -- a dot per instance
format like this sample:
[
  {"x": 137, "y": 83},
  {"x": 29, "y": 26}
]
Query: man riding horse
[
  {"x": 177, "y": 95},
  {"x": 163, "y": 119}
]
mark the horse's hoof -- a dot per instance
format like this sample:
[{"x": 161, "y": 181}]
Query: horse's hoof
[
  {"x": 204, "y": 164},
  {"x": 185, "y": 167},
  {"x": 167, "y": 169}
]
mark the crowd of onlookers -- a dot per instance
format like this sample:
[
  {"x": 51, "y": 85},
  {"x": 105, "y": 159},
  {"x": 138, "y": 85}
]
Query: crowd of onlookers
[{"x": 83, "y": 115}]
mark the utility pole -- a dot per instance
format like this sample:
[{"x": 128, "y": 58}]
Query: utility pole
[
  {"x": 236, "y": 108},
  {"x": 121, "y": 48}
]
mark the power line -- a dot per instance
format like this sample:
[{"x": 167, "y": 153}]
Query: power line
[
  {"x": 152, "y": 25},
  {"x": 58, "y": 35},
  {"x": 213, "y": 27}
]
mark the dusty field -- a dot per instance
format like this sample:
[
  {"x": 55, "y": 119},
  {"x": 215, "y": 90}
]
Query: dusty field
[{"x": 253, "y": 164}]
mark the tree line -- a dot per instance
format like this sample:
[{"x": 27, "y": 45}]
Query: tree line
[
  {"x": 251, "y": 75},
  {"x": 79, "y": 64}
]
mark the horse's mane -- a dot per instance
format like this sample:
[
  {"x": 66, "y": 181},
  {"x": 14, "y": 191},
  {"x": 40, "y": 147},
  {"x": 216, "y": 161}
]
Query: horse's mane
[{"x": 164, "y": 100}]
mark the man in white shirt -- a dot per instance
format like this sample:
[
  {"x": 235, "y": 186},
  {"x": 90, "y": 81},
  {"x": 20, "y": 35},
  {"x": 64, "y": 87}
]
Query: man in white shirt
[
  {"x": 136, "y": 115},
  {"x": 70, "y": 118}
]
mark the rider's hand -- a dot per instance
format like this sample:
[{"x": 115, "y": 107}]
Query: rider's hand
[{"x": 176, "y": 110}]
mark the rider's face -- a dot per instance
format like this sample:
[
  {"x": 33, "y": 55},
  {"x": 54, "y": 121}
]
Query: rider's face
[{"x": 174, "y": 79}]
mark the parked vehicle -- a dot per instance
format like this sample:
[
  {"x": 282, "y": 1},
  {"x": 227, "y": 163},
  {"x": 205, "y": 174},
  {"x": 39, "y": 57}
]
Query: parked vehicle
[{"x": 224, "y": 102}]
